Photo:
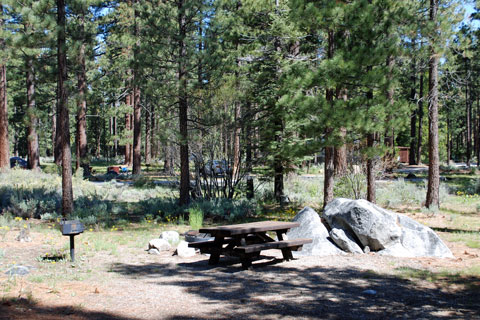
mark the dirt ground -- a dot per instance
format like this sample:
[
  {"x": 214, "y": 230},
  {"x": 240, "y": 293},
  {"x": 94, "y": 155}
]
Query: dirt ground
[{"x": 135, "y": 285}]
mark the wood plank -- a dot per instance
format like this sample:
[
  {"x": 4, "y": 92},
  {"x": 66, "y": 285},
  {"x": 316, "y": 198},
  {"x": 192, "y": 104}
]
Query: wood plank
[
  {"x": 273, "y": 245},
  {"x": 252, "y": 227}
]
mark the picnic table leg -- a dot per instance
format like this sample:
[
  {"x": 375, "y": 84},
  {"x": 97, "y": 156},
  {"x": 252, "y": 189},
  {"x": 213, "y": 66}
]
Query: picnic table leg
[
  {"x": 286, "y": 252},
  {"x": 246, "y": 261},
  {"x": 216, "y": 251}
]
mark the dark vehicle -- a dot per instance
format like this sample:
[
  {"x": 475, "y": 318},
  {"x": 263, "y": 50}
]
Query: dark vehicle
[
  {"x": 18, "y": 162},
  {"x": 217, "y": 167}
]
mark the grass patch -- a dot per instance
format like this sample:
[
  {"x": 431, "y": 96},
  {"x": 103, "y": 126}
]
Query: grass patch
[{"x": 468, "y": 278}]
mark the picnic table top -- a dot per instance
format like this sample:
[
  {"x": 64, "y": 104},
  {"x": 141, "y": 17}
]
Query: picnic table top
[{"x": 246, "y": 228}]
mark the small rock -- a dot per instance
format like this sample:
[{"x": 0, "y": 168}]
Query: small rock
[
  {"x": 18, "y": 271},
  {"x": 170, "y": 236},
  {"x": 159, "y": 244},
  {"x": 184, "y": 251},
  {"x": 366, "y": 249},
  {"x": 370, "y": 292},
  {"x": 153, "y": 251}
]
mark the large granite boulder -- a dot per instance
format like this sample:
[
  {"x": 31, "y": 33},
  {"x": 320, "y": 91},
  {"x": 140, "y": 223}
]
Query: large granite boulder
[
  {"x": 384, "y": 231},
  {"x": 373, "y": 226},
  {"x": 312, "y": 227}
]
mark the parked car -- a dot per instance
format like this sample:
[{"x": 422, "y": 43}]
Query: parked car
[
  {"x": 18, "y": 162},
  {"x": 217, "y": 167}
]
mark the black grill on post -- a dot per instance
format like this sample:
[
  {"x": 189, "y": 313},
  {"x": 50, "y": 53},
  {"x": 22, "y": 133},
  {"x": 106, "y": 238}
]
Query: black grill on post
[{"x": 71, "y": 228}]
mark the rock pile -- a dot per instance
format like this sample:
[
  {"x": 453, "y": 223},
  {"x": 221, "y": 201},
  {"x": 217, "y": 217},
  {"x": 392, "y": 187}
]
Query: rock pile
[{"x": 358, "y": 226}]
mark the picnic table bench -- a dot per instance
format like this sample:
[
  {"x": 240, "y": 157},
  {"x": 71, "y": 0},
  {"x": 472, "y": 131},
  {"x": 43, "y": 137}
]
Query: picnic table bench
[{"x": 247, "y": 240}]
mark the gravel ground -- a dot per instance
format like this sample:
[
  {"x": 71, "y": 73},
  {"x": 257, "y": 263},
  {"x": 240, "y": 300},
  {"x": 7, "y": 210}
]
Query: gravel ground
[{"x": 135, "y": 285}]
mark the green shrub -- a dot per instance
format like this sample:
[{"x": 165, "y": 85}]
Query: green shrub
[
  {"x": 351, "y": 186},
  {"x": 195, "y": 218},
  {"x": 399, "y": 193}
]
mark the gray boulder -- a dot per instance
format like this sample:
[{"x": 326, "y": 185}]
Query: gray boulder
[
  {"x": 384, "y": 231},
  {"x": 373, "y": 226},
  {"x": 184, "y": 251},
  {"x": 159, "y": 244},
  {"x": 18, "y": 271},
  {"x": 171, "y": 236},
  {"x": 345, "y": 241},
  {"x": 312, "y": 227},
  {"x": 420, "y": 240}
]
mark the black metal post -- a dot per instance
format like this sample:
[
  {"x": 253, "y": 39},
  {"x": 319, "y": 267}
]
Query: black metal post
[{"x": 72, "y": 248}]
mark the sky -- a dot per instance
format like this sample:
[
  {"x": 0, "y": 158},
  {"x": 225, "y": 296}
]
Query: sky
[{"x": 469, "y": 9}]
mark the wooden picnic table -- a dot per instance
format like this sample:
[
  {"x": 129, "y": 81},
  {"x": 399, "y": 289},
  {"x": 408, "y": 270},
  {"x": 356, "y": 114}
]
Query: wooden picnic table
[{"x": 247, "y": 240}]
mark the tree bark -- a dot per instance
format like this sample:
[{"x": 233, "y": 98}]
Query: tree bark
[
  {"x": 371, "y": 194},
  {"x": 148, "y": 138},
  {"x": 412, "y": 159},
  {"x": 137, "y": 133},
  {"x": 468, "y": 107},
  {"x": 128, "y": 128},
  {"x": 4, "y": 143},
  {"x": 420, "y": 122},
  {"x": 433, "y": 199},
  {"x": 137, "y": 108},
  {"x": 478, "y": 131},
  {"x": 81, "y": 133},
  {"x": 249, "y": 151},
  {"x": 64, "y": 127},
  {"x": 329, "y": 150},
  {"x": 183, "y": 107},
  {"x": 340, "y": 155},
  {"x": 32, "y": 137}
]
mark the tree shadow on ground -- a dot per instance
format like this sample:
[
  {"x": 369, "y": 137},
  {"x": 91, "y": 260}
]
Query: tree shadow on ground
[
  {"x": 279, "y": 290},
  {"x": 16, "y": 309},
  {"x": 452, "y": 230}
]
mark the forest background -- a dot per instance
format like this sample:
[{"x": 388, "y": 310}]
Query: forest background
[{"x": 263, "y": 87}]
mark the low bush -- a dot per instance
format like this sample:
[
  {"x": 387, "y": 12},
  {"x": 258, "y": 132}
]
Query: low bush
[
  {"x": 351, "y": 186},
  {"x": 400, "y": 192}
]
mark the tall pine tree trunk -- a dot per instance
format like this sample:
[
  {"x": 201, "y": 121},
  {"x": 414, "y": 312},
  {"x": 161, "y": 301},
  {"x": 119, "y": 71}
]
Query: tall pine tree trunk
[
  {"x": 183, "y": 106},
  {"x": 64, "y": 127},
  {"x": 468, "y": 129},
  {"x": 128, "y": 128},
  {"x": 137, "y": 133},
  {"x": 249, "y": 151},
  {"x": 329, "y": 150},
  {"x": 412, "y": 159},
  {"x": 81, "y": 133},
  {"x": 137, "y": 108},
  {"x": 4, "y": 143},
  {"x": 340, "y": 155},
  {"x": 371, "y": 194},
  {"x": 420, "y": 122},
  {"x": 32, "y": 137},
  {"x": 433, "y": 199},
  {"x": 57, "y": 151},
  {"x": 478, "y": 131},
  {"x": 148, "y": 138}
]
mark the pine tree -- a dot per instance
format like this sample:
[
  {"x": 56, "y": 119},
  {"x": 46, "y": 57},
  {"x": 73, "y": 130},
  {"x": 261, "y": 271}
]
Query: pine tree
[
  {"x": 63, "y": 126},
  {"x": 4, "y": 143}
]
